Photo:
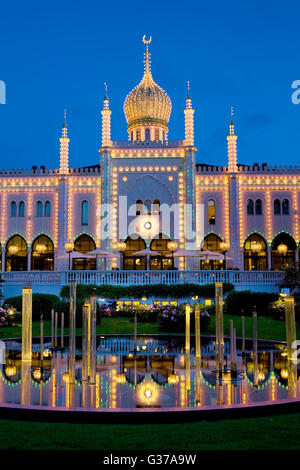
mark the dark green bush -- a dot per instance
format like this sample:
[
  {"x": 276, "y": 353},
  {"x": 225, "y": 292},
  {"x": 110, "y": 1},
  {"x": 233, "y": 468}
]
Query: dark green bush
[
  {"x": 155, "y": 290},
  {"x": 41, "y": 303},
  {"x": 245, "y": 302}
]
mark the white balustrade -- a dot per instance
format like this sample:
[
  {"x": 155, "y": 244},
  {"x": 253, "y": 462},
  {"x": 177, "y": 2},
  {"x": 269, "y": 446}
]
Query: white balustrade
[{"x": 127, "y": 278}]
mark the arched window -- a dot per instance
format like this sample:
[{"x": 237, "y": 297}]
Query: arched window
[
  {"x": 148, "y": 205},
  {"x": 255, "y": 253},
  {"x": 138, "y": 135},
  {"x": 285, "y": 207},
  {"x": 139, "y": 207},
  {"x": 281, "y": 259},
  {"x": 39, "y": 209},
  {"x": 250, "y": 207},
  {"x": 13, "y": 209},
  {"x": 211, "y": 243},
  {"x": 157, "y": 135},
  {"x": 211, "y": 212},
  {"x": 131, "y": 136},
  {"x": 84, "y": 244},
  {"x": 160, "y": 245},
  {"x": 155, "y": 207},
  {"x": 16, "y": 254},
  {"x": 132, "y": 261},
  {"x": 84, "y": 213},
  {"x": 277, "y": 208},
  {"x": 42, "y": 255},
  {"x": 47, "y": 209},
  {"x": 258, "y": 207},
  {"x": 21, "y": 209},
  {"x": 147, "y": 134}
]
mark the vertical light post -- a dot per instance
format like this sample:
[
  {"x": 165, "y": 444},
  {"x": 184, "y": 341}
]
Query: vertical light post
[
  {"x": 86, "y": 313},
  {"x": 172, "y": 247},
  {"x": 219, "y": 323},
  {"x": 255, "y": 355},
  {"x": 224, "y": 248},
  {"x": 188, "y": 346},
  {"x": 93, "y": 348},
  {"x": 282, "y": 250},
  {"x": 121, "y": 247},
  {"x": 72, "y": 332},
  {"x": 290, "y": 325},
  {"x": 26, "y": 324},
  {"x": 62, "y": 330},
  {"x": 41, "y": 339},
  {"x": 69, "y": 246},
  {"x": 291, "y": 346},
  {"x": 198, "y": 353},
  {"x": 52, "y": 328}
]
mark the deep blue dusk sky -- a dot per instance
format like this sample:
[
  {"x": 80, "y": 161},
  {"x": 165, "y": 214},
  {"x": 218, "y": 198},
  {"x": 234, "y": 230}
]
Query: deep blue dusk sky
[{"x": 58, "y": 54}]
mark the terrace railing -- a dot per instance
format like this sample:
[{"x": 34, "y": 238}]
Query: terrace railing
[{"x": 127, "y": 278}]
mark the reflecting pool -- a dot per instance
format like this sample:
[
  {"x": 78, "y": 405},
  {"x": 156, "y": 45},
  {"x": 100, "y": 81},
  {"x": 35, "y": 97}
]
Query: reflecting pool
[{"x": 154, "y": 372}]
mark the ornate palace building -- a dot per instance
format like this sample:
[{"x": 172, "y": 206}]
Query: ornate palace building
[{"x": 252, "y": 209}]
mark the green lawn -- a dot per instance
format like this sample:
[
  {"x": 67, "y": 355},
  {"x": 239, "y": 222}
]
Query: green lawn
[
  {"x": 267, "y": 328},
  {"x": 278, "y": 432}
]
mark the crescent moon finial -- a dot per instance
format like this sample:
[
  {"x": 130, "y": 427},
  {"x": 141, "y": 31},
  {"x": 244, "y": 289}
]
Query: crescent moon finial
[{"x": 145, "y": 41}]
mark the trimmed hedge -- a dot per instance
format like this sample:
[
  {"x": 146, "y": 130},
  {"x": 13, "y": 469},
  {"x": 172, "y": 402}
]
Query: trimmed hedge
[
  {"x": 245, "y": 302},
  {"x": 41, "y": 303},
  {"x": 154, "y": 290}
]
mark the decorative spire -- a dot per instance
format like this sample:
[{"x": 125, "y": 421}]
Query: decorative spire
[
  {"x": 188, "y": 96},
  {"x": 105, "y": 95},
  {"x": 147, "y": 55},
  {"x": 106, "y": 124},
  {"x": 232, "y": 148},
  {"x": 189, "y": 119},
  {"x": 64, "y": 147}
]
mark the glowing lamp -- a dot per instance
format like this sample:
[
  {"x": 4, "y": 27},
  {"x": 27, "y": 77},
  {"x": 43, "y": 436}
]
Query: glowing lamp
[
  {"x": 40, "y": 248},
  {"x": 69, "y": 246},
  {"x": 13, "y": 249},
  {"x": 120, "y": 246},
  {"x": 37, "y": 374},
  {"x": 284, "y": 373},
  {"x": 173, "y": 379},
  {"x": 10, "y": 371},
  {"x": 256, "y": 247},
  {"x": 224, "y": 246},
  {"x": 121, "y": 378},
  {"x": 172, "y": 245},
  {"x": 282, "y": 249}
]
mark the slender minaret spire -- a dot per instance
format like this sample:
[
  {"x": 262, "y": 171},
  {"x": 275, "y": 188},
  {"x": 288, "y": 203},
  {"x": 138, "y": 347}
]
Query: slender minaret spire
[
  {"x": 106, "y": 125},
  {"x": 189, "y": 119},
  {"x": 64, "y": 148},
  {"x": 147, "y": 55},
  {"x": 232, "y": 150}
]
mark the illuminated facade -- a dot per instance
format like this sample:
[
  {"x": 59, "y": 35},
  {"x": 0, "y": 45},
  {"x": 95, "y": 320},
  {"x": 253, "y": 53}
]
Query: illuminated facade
[{"x": 254, "y": 209}]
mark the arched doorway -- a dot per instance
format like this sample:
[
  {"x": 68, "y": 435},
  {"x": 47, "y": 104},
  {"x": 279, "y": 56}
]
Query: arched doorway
[
  {"x": 255, "y": 253},
  {"x": 16, "y": 254},
  {"x": 212, "y": 243},
  {"x": 83, "y": 244},
  {"x": 132, "y": 262},
  {"x": 283, "y": 251},
  {"x": 160, "y": 245},
  {"x": 42, "y": 256}
]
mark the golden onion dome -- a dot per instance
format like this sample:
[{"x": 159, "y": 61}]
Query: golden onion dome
[{"x": 147, "y": 104}]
